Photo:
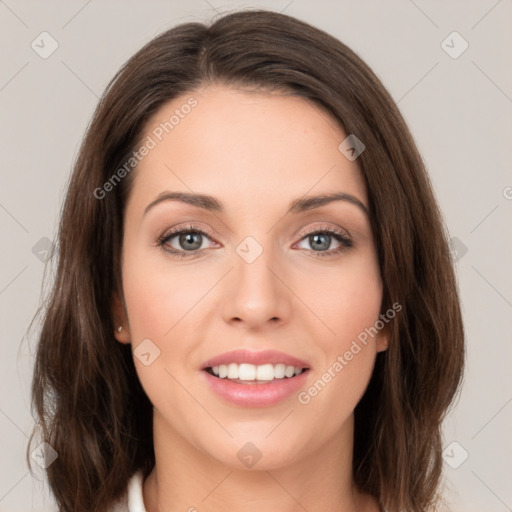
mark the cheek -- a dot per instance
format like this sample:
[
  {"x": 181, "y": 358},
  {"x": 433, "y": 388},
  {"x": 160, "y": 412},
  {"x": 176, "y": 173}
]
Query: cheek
[
  {"x": 156, "y": 298},
  {"x": 348, "y": 357},
  {"x": 156, "y": 301},
  {"x": 164, "y": 307},
  {"x": 347, "y": 299},
  {"x": 350, "y": 306}
]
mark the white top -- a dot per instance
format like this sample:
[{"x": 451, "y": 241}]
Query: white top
[{"x": 132, "y": 501}]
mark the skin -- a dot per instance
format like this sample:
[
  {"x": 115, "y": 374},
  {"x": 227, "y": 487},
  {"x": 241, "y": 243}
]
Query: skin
[{"x": 255, "y": 152}]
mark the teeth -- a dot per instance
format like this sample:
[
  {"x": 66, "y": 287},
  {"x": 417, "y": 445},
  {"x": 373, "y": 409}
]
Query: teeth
[
  {"x": 265, "y": 372},
  {"x": 290, "y": 371},
  {"x": 223, "y": 371},
  {"x": 247, "y": 372},
  {"x": 279, "y": 370},
  {"x": 232, "y": 371}
]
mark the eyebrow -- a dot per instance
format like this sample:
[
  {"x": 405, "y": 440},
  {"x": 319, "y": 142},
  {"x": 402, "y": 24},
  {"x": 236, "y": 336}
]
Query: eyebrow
[{"x": 298, "y": 205}]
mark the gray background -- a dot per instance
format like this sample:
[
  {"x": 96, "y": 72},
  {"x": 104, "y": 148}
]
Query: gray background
[{"x": 458, "y": 110}]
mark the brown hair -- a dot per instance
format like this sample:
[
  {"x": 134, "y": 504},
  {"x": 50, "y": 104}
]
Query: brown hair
[{"x": 89, "y": 403}]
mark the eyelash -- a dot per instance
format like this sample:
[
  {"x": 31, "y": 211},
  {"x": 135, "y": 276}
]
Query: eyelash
[{"x": 346, "y": 242}]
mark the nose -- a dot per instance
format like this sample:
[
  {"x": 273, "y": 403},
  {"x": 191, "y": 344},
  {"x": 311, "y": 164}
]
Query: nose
[{"x": 256, "y": 294}]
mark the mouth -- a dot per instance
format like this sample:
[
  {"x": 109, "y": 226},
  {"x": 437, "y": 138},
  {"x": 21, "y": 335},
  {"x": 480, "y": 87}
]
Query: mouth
[
  {"x": 255, "y": 379},
  {"x": 255, "y": 374}
]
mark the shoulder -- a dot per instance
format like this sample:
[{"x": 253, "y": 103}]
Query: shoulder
[{"x": 132, "y": 500}]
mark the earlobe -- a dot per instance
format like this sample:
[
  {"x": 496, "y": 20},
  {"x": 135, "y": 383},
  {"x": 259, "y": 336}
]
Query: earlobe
[
  {"x": 382, "y": 345},
  {"x": 122, "y": 330},
  {"x": 383, "y": 340},
  {"x": 122, "y": 335}
]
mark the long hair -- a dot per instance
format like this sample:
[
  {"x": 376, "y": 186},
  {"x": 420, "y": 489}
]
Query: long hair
[{"x": 89, "y": 404}]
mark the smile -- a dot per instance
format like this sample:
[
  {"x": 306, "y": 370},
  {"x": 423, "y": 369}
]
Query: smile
[{"x": 249, "y": 373}]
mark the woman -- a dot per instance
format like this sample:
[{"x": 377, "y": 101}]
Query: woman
[{"x": 303, "y": 351}]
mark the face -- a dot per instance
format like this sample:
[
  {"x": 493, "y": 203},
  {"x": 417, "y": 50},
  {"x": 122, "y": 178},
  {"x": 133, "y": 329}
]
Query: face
[{"x": 250, "y": 274}]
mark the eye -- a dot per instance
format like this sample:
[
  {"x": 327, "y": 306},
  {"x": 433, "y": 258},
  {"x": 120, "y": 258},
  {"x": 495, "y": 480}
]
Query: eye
[
  {"x": 321, "y": 239},
  {"x": 189, "y": 241}
]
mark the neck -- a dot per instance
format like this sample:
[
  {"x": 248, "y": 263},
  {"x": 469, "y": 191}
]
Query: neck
[{"x": 185, "y": 478}]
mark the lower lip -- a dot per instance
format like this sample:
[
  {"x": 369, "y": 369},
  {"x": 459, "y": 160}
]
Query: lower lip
[{"x": 256, "y": 395}]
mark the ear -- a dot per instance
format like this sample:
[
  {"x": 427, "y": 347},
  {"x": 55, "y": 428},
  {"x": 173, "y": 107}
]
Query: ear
[
  {"x": 383, "y": 339},
  {"x": 120, "y": 320}
]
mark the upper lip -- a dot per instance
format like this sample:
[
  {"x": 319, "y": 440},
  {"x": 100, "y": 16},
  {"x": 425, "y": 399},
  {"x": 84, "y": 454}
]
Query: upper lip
[{"x": 255, "y": 358}]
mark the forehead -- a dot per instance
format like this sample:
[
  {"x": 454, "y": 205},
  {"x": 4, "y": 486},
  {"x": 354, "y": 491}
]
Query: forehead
[{"x": 244, "y": 147}]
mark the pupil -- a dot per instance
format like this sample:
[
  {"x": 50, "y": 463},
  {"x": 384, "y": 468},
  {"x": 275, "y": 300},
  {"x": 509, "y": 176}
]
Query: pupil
[
  {"x": 188, "y": 238},
  {"x": 315, "y": 238}
]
